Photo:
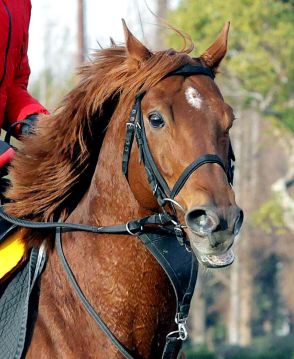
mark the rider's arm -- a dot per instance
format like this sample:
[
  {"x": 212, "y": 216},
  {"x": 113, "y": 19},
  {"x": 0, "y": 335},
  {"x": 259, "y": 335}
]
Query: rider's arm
[{"x": 20, "y": 104}]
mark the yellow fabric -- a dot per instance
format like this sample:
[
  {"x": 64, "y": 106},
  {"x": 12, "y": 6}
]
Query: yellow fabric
[{"x": 12, "y": 250}]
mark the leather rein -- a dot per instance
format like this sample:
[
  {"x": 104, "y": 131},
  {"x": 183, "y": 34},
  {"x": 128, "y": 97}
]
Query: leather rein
[{"x": 135, "y": 129}]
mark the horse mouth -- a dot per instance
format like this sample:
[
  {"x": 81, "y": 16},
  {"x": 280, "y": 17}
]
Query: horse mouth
[
  {"x": 217, "y": 261},
  {"x": 210, "y": 257}
]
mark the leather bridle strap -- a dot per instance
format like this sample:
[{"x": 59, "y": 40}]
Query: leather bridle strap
[
  {"x": 189, "y": 69},
  {"x": 193, "y": 167},
  {"x": 132, "y": 227},
  {"x": 162, "y": 190}
]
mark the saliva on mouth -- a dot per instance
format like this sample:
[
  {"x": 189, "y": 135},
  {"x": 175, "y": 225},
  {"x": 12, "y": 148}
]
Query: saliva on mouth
[{"x": 218, "y": 261}]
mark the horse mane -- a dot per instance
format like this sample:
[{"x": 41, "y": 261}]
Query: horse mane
[{"x": 59, "y": 160}]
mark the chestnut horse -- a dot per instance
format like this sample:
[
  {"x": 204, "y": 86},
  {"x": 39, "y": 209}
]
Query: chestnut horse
[{"x": 71, "y": 169}]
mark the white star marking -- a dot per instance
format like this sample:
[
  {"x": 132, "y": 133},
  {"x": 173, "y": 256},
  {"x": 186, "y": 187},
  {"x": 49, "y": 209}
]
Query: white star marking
[{"x": 193, "y": 97}]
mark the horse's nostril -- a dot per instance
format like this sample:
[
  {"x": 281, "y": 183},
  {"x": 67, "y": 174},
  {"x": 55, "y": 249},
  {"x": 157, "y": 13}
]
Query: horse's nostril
[{"x": 201, "y": 222}]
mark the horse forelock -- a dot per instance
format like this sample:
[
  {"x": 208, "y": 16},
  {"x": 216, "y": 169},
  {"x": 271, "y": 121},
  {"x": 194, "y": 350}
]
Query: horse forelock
[{"x": 51, "y": 164}]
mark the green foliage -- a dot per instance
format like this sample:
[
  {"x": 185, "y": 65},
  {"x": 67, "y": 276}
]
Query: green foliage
[
  {"x": 269, "y": 217},
  {"x": 268, "y": 347},
  {"x": 275, "y": 347},
  {"x": 261, "y": 47},
  {"x": 236, "y": 352},
  {"x": 200, "y": 352},
  {"x": 270, "y": 311},
  {"x": 214, "y": 320}
]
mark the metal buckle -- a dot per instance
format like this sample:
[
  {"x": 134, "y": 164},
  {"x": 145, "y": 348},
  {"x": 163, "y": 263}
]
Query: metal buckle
[
  {"x": 155, "y": 189},
  {"x": 130, "y": 125},
  {"x": 128, "y": 229},
  {"x": 166, "y": 199},
  {"x": 178, "y": 230},
  {"x": 179, "y": 234},
  {"x": 183, "y": 333},
  {"x": 182, "y": 330}
]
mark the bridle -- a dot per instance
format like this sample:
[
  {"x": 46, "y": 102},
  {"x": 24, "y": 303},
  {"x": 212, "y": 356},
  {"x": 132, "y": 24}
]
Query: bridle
[
  {"x": 160, "y": 189},
  {"x": 141, "y": 227}
]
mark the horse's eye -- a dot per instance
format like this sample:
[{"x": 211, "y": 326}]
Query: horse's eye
[{"x": 156, "y": 120}]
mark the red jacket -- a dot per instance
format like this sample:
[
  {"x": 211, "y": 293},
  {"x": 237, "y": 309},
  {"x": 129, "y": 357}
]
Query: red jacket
[{"x": 15, "y": 101}]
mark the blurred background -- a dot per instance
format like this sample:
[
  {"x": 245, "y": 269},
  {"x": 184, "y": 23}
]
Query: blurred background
[{"x": 247, "y": 310}]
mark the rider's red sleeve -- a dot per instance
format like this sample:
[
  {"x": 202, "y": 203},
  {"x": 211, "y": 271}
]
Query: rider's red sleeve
[{"x": 20, "y": 103}]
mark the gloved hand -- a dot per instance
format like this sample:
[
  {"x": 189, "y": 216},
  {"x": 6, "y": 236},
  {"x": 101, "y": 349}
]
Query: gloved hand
[
  {"x": 21, "y": 128},
  {"x": 27, "y": 125}
]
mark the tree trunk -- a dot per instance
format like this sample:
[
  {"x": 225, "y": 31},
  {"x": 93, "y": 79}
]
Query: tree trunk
[
  {"x": 246, "y": 293},
  {"x": 246, "y": 140},
  {"x": 233, "y": 323},
  {"x": 161, "y": 11},
  {"x": 246, "y": 246},
  {"x": 81, "y": 46},
  {"x": 233, "y": 327},
  {"x": 198, "y": 314}
]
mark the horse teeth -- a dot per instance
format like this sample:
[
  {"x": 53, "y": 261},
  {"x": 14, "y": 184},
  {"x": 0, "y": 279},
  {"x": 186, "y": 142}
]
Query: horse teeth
[{"x": 219, "y": 260}]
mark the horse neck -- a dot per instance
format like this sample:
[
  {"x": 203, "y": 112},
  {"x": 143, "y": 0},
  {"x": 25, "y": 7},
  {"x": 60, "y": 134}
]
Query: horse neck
[{"x": 109, "y": 199}]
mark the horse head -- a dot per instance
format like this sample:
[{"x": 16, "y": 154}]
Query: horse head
[{"x": 186, "y": 123}]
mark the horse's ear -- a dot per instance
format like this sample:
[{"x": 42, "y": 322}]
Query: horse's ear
[
  {"x": 135, "y": 49},
  {"x": 217, "y": 51}
]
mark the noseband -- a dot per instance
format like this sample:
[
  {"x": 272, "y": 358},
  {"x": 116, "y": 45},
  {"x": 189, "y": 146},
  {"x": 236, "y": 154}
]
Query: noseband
[{"x": 135, "y": 127}]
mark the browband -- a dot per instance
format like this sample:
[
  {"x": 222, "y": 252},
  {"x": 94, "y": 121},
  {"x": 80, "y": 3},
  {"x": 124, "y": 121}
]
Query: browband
[{"x": 188, "y": 70}]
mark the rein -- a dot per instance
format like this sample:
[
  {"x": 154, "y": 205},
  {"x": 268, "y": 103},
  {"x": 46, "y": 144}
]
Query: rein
[{"x": 167, "y": 225}]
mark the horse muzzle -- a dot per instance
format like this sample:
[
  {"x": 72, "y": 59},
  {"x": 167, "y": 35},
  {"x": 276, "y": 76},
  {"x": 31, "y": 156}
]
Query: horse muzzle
[{"x": 211, "y": 231}]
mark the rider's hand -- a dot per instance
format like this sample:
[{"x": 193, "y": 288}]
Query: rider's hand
[
  {"x": 28, "y": 126},
  {"x": 22, "y": 127}
]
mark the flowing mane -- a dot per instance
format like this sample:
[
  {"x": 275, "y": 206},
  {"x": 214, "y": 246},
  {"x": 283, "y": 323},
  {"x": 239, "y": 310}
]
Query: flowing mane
[{"x": 53, "y": 168}]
